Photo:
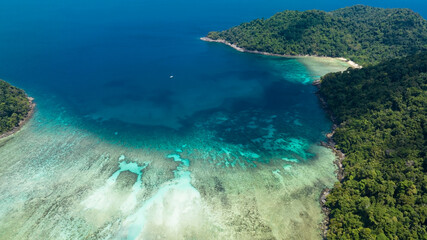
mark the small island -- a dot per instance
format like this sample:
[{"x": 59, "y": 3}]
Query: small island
[{"x": 16, "y": 108}]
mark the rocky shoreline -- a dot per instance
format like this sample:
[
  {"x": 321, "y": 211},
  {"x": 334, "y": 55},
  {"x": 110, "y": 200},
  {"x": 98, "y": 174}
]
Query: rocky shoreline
[
  {"x": 338, "y": 162},
  {"x": 23, "y": 121},
  {"x": 329, "y": 143}
]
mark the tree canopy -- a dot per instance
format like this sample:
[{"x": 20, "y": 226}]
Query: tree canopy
[
  {"x": 381, "y": 112},
  {"x": 14, "y": 106},
  {"x": 364, "y": 34}
]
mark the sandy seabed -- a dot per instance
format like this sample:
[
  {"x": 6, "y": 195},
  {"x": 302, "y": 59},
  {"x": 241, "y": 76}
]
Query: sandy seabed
[{"x": 59, "y": 181}]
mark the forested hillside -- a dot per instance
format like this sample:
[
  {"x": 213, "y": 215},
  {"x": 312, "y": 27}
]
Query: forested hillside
[
  {"x": 382, "y": 115},
  {"x": 14, "y": 106},
  {"x": 363, "y": 34}
]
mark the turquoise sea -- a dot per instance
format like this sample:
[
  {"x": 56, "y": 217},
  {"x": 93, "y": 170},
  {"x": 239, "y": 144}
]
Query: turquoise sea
[{"x": 143, "y": 131}]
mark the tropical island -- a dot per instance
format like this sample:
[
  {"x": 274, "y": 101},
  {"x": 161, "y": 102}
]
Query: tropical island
[
  {"x": 381, "y": 114},
  {"x": 80, "y": 176},
  {"x": 379, "y": 110},
  {"x": 16, "y": 108},
  {"x": 366, "y": 35}
]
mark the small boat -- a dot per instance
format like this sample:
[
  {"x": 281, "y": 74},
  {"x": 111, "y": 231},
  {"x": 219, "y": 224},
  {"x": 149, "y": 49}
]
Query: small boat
[{"x": 171, "y": 76}]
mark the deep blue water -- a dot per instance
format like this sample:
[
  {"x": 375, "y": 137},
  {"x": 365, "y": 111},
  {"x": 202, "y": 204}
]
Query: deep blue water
[
  {"x": 112, "y": 60},
  {"x": 117, "y": 148}
]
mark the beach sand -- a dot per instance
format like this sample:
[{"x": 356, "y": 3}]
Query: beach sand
[{"x": 313, "y": 60}]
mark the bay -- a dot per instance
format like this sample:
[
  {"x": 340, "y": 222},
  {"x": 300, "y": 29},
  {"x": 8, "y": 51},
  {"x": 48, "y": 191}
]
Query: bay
[{"x": 143, "y": 131}]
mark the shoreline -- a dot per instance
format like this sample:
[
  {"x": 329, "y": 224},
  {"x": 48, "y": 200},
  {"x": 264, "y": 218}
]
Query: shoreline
[
  {"x": 23, "y": 121},
  {"x": 329, "y": 143},
  {"x": 348, "y": 61},
  {"x": 324, "y": 225}
]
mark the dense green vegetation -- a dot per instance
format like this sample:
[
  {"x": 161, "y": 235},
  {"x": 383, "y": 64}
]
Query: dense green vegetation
[
  {"x": 14, "y": 106},
  {"x": 380, "y": 109},
  {"x": 382, "y": 115},
  {"x": 363, "y": 34}
]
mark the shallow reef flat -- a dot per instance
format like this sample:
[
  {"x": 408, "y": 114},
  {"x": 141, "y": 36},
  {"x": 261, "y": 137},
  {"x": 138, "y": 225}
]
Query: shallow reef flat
[
  {"x": 64, "y": 183},
  {"x": 252, "y": 173}
]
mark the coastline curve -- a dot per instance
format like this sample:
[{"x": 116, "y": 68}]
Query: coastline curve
[{"x": 240, "y": 49}]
